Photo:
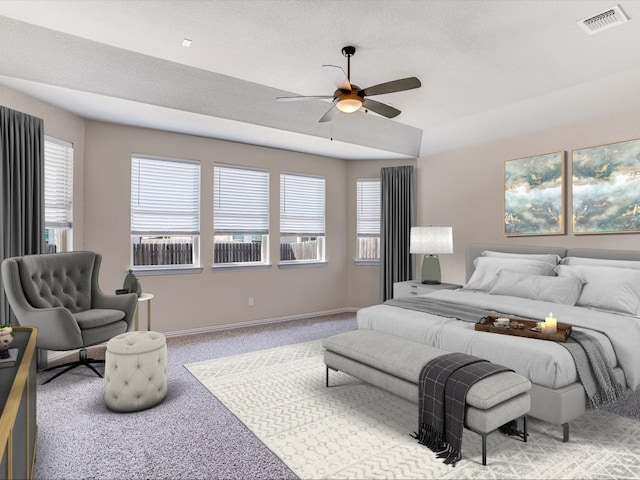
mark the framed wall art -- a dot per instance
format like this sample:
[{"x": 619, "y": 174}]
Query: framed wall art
[
  {"x": 534, "y": 195},
  {"x": 605, "y": 188}
]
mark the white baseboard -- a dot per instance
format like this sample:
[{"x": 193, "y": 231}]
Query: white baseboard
[
  {"x": 251, "y": 323},
  {"x": 53, "y": 355}
]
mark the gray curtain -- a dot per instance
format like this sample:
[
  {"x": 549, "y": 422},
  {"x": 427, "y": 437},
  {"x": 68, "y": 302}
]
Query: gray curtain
[
  {"x": 22, "y": 185},
  {"x": 396, "y": 219}
]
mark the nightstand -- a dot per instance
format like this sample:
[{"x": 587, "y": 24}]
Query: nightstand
[{"x": 416, "y": 287}]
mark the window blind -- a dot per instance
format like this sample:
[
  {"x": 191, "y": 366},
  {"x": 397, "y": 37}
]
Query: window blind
[
  {"x": 302, "y": 205},
  {"x": 58, "y": 183},
  {"x": 368, "y": 208},
  {"x": 165, "y": 196},
  {"x": 240, "y": 200}
]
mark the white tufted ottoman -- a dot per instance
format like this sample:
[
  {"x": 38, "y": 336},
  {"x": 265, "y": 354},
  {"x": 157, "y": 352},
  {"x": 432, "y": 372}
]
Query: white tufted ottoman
[{"x": 135, "y": 371}]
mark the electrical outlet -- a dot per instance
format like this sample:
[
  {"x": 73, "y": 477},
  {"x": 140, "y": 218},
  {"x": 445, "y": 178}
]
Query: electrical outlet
[{"x": 251, "y": 301}]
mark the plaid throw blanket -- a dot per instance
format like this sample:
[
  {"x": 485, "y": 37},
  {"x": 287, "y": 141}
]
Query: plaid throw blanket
[{"x": 443, "y": 387}]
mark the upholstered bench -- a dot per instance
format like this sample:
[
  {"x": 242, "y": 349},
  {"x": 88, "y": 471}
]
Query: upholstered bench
[
  {"x": 135, "y": 371},
  {"x": 394, "y": 364}
]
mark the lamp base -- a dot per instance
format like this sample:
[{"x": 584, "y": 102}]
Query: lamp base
[{"x": 431, "y": 270}]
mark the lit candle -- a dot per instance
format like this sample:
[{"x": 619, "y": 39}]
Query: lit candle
[
  {"x": 543, "y": 327},
  {"x": 551, "y": 324}
]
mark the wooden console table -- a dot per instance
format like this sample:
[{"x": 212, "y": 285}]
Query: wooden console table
[{"x": 18, "y": 429}]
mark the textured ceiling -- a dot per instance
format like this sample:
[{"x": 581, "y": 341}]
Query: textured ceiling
[{"x": 489, "y": 69}]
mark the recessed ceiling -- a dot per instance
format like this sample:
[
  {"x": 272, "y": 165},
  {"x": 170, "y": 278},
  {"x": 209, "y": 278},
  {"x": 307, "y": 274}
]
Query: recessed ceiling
[{"x": 489, "y": 69}]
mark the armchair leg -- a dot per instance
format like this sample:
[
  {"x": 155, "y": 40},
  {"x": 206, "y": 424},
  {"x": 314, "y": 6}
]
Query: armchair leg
[
  {"x": 43, "y": 359},
  {"x": 82, "y": 360}
]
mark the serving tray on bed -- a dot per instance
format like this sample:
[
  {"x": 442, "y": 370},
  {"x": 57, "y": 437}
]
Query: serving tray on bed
[{"x": 486, "y": 325}]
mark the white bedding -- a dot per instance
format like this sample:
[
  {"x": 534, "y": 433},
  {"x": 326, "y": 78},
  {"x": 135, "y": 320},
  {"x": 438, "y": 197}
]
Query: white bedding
[{"x": 545, "y": 363}]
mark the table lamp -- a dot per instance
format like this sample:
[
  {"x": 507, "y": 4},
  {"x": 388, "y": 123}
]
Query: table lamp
[{"x": 431, "y": 242}]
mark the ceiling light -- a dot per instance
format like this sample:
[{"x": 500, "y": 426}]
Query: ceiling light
[
  {"x": 349, "y": 102},
  {"x": 186, "y": 42}
]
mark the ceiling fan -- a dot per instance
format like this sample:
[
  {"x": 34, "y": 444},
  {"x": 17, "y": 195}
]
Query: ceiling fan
[{"x": 348, "y": 97}]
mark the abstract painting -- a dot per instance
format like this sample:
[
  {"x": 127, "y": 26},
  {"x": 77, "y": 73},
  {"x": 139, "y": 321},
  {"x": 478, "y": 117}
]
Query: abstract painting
[
  {"x": 534, "y": 195},
  {"x": 606, "y": 188}
]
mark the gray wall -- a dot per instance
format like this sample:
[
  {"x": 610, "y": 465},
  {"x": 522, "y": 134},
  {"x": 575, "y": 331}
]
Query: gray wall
[
  {"x": 102, "y": 156},
  {"x": 213, "y": 297},
  {"x": 461, "y": 188},
  {"x": 464, "y": 188}
]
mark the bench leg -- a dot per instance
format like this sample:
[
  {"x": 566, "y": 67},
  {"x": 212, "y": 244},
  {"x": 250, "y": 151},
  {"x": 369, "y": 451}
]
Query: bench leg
[
  {"x": 565, "y": 432},
  {"x": 522, "y": 435},
  {"x": 327, "y": 378}
]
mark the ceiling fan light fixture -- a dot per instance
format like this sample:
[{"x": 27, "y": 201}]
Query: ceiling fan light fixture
[{"x": 349, "y": 102}]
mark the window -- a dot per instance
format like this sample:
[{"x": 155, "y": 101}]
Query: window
[
  {"x": 58, "y": 195},
  {"x": 240, "y": 215},
  {"x": 165, "y": 212},
  {"x": 302, "y": 205},
  {"x": 368, "y": 219}
]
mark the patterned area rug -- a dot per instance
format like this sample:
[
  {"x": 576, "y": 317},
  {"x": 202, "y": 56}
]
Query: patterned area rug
[{"x": 354, "y": 430}]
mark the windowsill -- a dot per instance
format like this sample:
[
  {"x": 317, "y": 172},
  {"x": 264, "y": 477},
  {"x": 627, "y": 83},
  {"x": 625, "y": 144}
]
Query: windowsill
[
  {"x": 360, "y": 261},
  {"x": 172, "y": 270},
  {"x": 285, "y": 265},
  {"x": 224, "y": 266}
]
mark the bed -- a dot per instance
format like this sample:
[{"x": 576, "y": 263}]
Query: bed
[{"x": 596, "y": 291}]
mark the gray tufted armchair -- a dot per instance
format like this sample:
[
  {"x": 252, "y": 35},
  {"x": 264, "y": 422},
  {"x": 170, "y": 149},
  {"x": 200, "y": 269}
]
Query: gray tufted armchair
[{"x": 58, "y": 294}]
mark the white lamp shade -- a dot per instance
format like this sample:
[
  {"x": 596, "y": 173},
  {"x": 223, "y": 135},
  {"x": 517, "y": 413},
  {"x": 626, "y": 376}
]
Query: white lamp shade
[{"x": 431, "y": 240}]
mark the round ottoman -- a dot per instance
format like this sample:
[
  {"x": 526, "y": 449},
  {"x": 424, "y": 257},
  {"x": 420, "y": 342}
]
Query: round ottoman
[{"x": 135, "y": 371}]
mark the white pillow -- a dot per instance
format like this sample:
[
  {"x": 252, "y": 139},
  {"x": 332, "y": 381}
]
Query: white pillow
[
  {"x": 544, "y": 257},
  {"x": 606, "y": 288},
  {"x": 487, "y": 268},
  {"x": 565, "y": 290},
  {"x": 601, "y": 262}
]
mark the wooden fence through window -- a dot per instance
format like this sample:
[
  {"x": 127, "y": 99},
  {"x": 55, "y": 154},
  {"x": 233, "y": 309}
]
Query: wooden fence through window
[
  {"x": 227, "y": 252},
  {"x": 163, "y": 254}
]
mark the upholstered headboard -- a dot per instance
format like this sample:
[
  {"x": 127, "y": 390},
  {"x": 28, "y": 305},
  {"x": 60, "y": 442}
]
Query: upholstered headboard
[{"x": 474, "y": 250}]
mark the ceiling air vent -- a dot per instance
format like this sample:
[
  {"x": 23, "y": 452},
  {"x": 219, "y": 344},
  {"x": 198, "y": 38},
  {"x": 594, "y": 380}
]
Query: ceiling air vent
[{"x": 599, "y": 22}]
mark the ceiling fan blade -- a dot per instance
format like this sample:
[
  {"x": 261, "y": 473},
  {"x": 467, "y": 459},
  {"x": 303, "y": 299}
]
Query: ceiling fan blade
[
  {"x": 380, "y": 108},
  {"x": 302, "y": 97},
  {"x": 393, "y": 86},
  {"x": 337, "y": 76},
  {"x": 330, "y": 115}
]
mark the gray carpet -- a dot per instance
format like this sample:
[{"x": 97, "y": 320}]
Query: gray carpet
[
  {"x": 628, "y": 406},
  {"x": 190, "y": 435}
]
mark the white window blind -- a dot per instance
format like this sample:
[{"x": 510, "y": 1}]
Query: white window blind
[
  {"x": 165, "y": 196},
  {"x": 368, "y": 208},
  {"x": 58, "y": 183},
  {"x": 240, "y": 200},
  {"x": 302, "y": 205}
]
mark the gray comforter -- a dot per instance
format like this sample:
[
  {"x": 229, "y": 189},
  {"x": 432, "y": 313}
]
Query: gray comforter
[{"x": 544, "y": 363}]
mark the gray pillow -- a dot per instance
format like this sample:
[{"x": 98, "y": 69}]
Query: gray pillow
[
  {"x": 565, "y": 290},
  {"x": 606, "y": 288},
  {"x": 544, "y": 257},
  {"x": 601, "y": 262},
  {"x": 487, "y": 268}
]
